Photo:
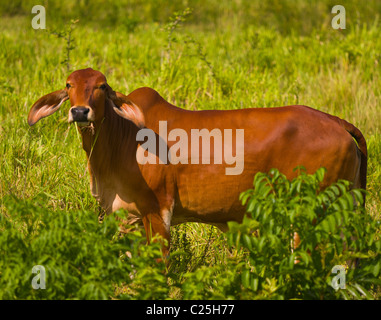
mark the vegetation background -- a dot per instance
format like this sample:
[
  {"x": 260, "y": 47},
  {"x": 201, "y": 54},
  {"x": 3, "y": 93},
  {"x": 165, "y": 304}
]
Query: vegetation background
[{"x": 198, "y": 54}]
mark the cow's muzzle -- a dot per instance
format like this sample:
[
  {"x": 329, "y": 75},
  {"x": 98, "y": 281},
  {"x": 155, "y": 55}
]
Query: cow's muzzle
[{"x": 79, "y": 114}]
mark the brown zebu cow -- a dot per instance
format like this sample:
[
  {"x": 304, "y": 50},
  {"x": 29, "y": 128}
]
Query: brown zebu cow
[{"x": 195, "y": 189}]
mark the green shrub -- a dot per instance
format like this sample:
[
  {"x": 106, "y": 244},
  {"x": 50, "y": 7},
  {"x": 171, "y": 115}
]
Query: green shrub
[
  {"x": 333, "y": 231},
  {"x": 83, "y": 259},
  {"x": 263, "y": 262}
]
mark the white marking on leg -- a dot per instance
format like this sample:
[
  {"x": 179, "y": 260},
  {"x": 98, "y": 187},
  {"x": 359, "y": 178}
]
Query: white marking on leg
[{"x": 167, "y": 217}]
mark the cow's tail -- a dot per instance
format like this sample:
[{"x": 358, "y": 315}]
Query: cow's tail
[{"x": 361, "y": 143}]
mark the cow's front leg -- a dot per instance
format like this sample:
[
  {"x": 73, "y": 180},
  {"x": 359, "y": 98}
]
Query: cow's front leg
[{"x": 155, "y": 225}]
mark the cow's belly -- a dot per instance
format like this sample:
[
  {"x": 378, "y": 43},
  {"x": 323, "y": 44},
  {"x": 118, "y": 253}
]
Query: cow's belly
[{"x": 206, "y": 194}]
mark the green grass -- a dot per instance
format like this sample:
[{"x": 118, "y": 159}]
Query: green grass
[{"x": 227, "y": 54}]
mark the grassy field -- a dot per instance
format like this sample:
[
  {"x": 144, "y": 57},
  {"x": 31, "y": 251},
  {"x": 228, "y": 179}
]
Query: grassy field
[{"x": 218, "y": 55}]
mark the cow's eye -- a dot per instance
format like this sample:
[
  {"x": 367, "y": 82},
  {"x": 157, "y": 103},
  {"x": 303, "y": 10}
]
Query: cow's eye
[
  {"x": 68, "y": 86},
  {"x": 103, "y": 86}
]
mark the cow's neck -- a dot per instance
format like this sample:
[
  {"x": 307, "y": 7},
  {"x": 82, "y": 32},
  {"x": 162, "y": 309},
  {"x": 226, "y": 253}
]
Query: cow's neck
[{"x": 110, "y": 145}]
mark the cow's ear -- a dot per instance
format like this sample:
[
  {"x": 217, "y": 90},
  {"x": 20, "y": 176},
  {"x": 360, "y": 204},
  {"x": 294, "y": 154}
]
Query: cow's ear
[
  {"x": 125, "y": 108},
  {"x": 46, "y": 105},
  {"x": 132, "y": 112}
]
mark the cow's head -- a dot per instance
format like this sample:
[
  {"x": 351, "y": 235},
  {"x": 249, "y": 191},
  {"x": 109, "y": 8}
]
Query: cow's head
[{"x": 89, "y": 94}]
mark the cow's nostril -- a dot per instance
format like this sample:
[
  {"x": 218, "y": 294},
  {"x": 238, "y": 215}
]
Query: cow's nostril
[{"x": 86, "y": 111}]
